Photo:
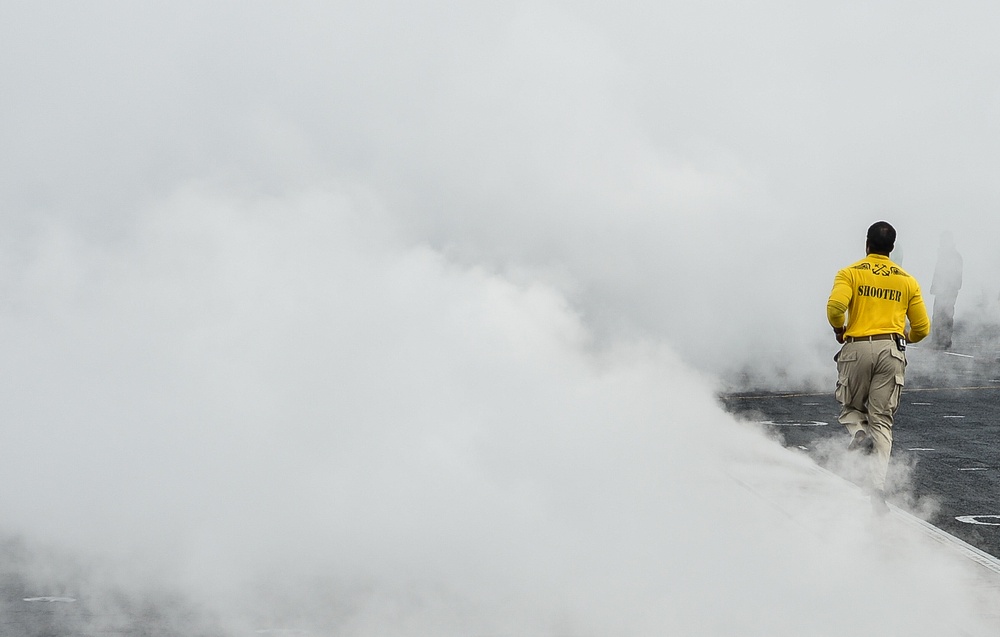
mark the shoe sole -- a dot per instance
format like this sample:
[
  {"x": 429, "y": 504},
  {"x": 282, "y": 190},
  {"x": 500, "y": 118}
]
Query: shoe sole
[{"x": 859, "y": 441}]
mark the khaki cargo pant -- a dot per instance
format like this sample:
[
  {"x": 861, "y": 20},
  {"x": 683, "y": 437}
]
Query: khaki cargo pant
[{"x": 869, "y": 379}]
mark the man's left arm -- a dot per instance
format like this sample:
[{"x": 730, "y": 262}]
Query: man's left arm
[{"x": 920, "y": 323}]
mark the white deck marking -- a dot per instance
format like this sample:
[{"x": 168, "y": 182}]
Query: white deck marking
[
  {"x": 63, "y": 600},
  {"x": 974, "y": 519},
  {"x": 790, "y": 423},
  {"x": 959, "y": 355},
  {"x": 921, "y": 403},
  {"x": 974, "y": 469},
  {"x": 921, "y": 449},
  {"x": 953, "y": 416}
]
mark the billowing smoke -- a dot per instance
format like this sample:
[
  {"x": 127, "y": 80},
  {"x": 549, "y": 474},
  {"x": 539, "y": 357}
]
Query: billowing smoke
[
  {"x": 285, "y": 411},
  {"x": 397, "y": 319}
]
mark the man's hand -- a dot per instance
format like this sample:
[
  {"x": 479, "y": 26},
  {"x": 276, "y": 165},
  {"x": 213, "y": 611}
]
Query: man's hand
[{"x": 839, "y": 332}]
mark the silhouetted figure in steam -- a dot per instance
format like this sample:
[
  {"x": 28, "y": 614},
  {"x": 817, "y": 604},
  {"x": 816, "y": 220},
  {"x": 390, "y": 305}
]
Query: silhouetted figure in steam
[
  {"x": 868, "y": 308},
  {"x": 945, "y": 286}
]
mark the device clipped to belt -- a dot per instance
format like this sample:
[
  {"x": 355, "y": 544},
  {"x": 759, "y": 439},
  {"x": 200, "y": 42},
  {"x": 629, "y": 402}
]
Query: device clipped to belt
[{"x": 900, "y": 342}]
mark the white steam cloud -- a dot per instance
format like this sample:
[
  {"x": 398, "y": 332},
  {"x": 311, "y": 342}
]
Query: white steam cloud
[
  {"x": 278, "y": 406},
  {"x": 407, "y": 319}
]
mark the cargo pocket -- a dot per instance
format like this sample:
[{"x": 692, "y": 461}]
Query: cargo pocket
[
  {"x": 896, "y": 391},
  {"x": 845, "y": 359},
  {"x": 899, "y": 377}
]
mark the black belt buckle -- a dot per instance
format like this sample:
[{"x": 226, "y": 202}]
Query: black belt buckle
[{"x": 900, "y": 342}]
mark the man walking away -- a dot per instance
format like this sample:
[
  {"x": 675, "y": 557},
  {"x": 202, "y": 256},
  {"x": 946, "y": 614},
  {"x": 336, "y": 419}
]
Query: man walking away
[
  {"x": 945, "y": 285},
  {"x": 868, "y": 309}
]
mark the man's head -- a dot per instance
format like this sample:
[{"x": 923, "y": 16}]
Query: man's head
[{"x": 881, "y": 238}]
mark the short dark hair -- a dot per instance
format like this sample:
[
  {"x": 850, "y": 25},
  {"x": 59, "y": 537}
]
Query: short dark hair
[{"x": 881, "y": 237}]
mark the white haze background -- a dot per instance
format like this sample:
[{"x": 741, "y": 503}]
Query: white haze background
[{"x": 416, "y": 311}]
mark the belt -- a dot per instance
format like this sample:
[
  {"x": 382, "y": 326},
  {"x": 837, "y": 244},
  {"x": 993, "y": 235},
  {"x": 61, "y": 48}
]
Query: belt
[{"x": 873, "y": 337}]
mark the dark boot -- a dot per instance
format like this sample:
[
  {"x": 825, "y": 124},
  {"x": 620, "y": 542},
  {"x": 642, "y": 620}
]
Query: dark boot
[{"x": 861, "y": 442}]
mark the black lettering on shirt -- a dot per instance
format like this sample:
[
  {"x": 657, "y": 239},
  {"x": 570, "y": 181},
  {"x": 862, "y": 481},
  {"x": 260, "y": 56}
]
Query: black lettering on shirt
[{"x": 880, "y": 293}]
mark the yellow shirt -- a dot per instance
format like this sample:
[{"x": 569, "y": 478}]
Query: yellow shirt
[{"x": 877, "y": 297}]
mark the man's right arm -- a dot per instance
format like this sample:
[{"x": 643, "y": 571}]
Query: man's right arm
[{"x": 837, "y": 304}]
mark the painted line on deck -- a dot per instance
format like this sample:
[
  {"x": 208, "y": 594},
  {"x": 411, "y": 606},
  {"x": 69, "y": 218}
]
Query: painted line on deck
[
  {"x": 941, "y": 536},
  {"x": 963, "y": 388},
  {"x": 756, "y": 396},
  {"x": 906, "y": 390},
  {"x": 978, "y": 556}
]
